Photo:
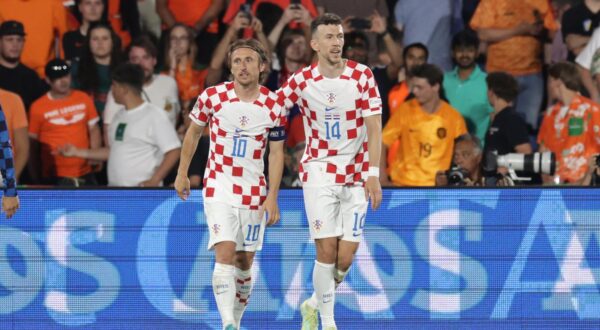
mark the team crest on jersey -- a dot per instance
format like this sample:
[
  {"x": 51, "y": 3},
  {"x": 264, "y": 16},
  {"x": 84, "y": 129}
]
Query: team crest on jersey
[
  {"x": 244, "y": 120},
  {"x": 317, "y": 224},
  {"x": 216, "y": 229},
  {"x": 330, "y": 97},
  {"x": 441, "y": 132}
]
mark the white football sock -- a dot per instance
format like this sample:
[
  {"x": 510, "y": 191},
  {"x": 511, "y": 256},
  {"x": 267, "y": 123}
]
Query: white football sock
[
  {"x": 243, "y": 288},
  {"x": 324, "y": 285},
  {"x": 223, "y": 284},
  {"x": 338, "y": 276}
]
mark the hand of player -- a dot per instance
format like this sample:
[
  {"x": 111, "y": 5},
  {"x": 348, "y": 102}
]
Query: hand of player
[
  {"x": 182, "y": 186},
  {"x": 270, "y": 206},
  {"x": 373, "y": 191},
  {"x": 10, "y": 205}
]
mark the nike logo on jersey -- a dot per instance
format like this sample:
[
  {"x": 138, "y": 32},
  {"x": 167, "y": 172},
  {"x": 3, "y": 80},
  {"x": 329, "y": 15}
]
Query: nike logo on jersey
[{"x": 327, "y": 109}]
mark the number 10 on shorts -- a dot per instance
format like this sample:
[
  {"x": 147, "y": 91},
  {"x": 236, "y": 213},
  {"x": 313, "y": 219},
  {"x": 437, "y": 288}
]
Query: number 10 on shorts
[
  {"x": 359, "y": 222},
  {"x": 253, "y": 232}
]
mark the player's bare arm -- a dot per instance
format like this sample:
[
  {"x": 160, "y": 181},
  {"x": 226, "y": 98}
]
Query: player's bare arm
[
  {"x": 373, "y": 186},
  {"x": 190, "y": 143},
  {"x": 276, "y": 155}
]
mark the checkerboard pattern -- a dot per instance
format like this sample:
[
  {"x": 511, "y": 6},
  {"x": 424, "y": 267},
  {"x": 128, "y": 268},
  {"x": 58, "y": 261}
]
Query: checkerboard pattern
[
  {"x": 334, "y": 113},
  {"x": 238, "y": 138},
  {"x": 6, "y": 159}
]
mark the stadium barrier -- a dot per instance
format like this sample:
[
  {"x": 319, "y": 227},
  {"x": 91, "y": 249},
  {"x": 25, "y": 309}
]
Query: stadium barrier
[{"x": 430, "y": 259}]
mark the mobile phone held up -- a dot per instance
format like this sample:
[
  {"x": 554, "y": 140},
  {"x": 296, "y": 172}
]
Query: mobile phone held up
[{"x": 360, "y": 23}]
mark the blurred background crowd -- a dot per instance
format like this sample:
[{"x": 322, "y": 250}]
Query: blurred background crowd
[{"x": 462, "y": 81}]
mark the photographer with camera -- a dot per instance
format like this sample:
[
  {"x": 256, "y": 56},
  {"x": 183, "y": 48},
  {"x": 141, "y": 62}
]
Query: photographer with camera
[{"x": 467, "y": 166}]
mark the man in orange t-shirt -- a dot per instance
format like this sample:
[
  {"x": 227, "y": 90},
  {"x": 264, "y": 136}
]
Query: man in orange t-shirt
[
  {"x": 63, "y": 116},
  {"x": 426, "y": 127},
  {"x": 515, "y": 31},
  {"x": 16, "y": 121},
  {"x": 44, "y": 20},
  {"x": 570, "y": 128}
]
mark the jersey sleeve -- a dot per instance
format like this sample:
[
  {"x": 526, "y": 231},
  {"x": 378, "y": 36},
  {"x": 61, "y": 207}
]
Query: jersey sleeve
[
  {"x": 110, "y": 109},
  {"x": 371, "y": 100},
  {"x": 289, "y": 93},
  {"x": 277, "y": 132},
  {"x": 393, "y": 128},
  {"x": 203, "y": 109},
  {"x": 19, "y": 119},
  {"x": 91, "y": 113}
]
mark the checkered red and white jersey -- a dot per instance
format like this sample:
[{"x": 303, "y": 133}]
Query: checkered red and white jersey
[
  {"x": 333, "y": 112},
  {"x": 239, "y": 132}
]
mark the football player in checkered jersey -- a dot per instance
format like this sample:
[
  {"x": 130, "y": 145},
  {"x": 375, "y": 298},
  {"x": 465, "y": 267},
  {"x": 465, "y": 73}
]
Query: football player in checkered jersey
[
  {"x": 242, "y": 117},
  {"x": 341, "y": 110}
]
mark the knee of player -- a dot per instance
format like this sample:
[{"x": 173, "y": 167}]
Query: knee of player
[
  {"x": 344, "y": 262},
  {"x": 243, "y": 260}
]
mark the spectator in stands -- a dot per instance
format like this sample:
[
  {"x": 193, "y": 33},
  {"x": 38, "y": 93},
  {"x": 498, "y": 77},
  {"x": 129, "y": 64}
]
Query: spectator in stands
[
  {"x": 159, "y": 89},
  {"x": 426, "y": 127},
  {"x": 389, "y": 60},
  {"x": 585, "y": 61},
  {"x": 465, "y": 86},
  {"x": 101, "y": 53},
  {"x": 14, "y": 75},
  {"x": 292, "y": 14},
  {"x": 431, "y": 22},
  {"x": 413, "y": 55},
  {"x": 351, "y": 10},
  {"x": 43, "y": 21},
  {"x": 143, "y": 145},
  {"x": 88, "y": 11},
  {"x": 200, "y": 15},
  {"x": 10, "y": 200},
  {"x": 293, "y": 54},
  {"x": 180, "y": 52},
  {"x": 508, "y": 132},
  {"x": 124, "y": 18},
  {"x": 62, "y": 116},
  {"x": 515, "y": 31},
  {"x": 570, "y": 127},
  {"x": 241, "y": 21},
  {"x": 578, "y": 24},
  {"x": 16, "y": 122},
  {"x": 270, "y": 11}
]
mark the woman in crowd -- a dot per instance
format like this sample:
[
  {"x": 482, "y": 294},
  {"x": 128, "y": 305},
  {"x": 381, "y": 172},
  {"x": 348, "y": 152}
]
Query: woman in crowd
[{"x": 101, "y": 53}]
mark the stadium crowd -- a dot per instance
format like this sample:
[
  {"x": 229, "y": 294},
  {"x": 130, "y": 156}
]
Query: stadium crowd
[{"x": 491, "y": 76}]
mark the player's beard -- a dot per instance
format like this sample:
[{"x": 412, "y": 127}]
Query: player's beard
[{"x": 11, "y": 60}]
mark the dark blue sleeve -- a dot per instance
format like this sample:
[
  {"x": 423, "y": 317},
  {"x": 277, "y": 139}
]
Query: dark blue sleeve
[
  {"x": 6, "y": 159},
  {"x": 277, "y": 134}
]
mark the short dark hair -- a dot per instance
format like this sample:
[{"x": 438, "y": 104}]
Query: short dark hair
[
  {"x": 253, "y": 44},
  {"x": 465, "y": 39},
  {"x": 145, "y": 42},
  {"x": 325, "y": 19},
  {"x": 416, "y": 45},
  {"x": 468, "y": 137},
  {"x": 567, "y": 73},
  {"x": 432, "y": 73},
  {"x": 129, "y": 74},
  {"x": 503, "y": 85}
]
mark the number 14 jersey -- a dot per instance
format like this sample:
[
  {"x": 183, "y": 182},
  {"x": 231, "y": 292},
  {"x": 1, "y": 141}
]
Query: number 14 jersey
[{"x": 333, "y": 111}]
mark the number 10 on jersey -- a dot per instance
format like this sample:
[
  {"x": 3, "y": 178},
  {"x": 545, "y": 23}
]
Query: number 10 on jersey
[{"x": 239, "y": 147}]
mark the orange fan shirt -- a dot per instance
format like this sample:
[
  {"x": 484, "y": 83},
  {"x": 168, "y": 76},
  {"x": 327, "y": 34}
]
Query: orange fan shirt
[
  {"x": 571, "y": 132},
  {"x": 189, "y": 12},
  {"x": 519, "y": 55},
  {"x": 426, "y": 142},
  {"x": 43, "y": 21},
  {"x": 56, "y": 122},
  {"x": 14, "y": 112}
]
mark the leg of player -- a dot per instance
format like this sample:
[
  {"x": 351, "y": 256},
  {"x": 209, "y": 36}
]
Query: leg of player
[
  {"x": 323, "y": 279},
  {"x": 223, "y": 282},
  {"x": 243, "y": 284}
]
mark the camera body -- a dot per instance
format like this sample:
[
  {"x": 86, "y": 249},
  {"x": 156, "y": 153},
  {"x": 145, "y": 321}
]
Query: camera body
[
  {"x": 457, "y": 176},
  {"x": 537, "y": 162}
]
